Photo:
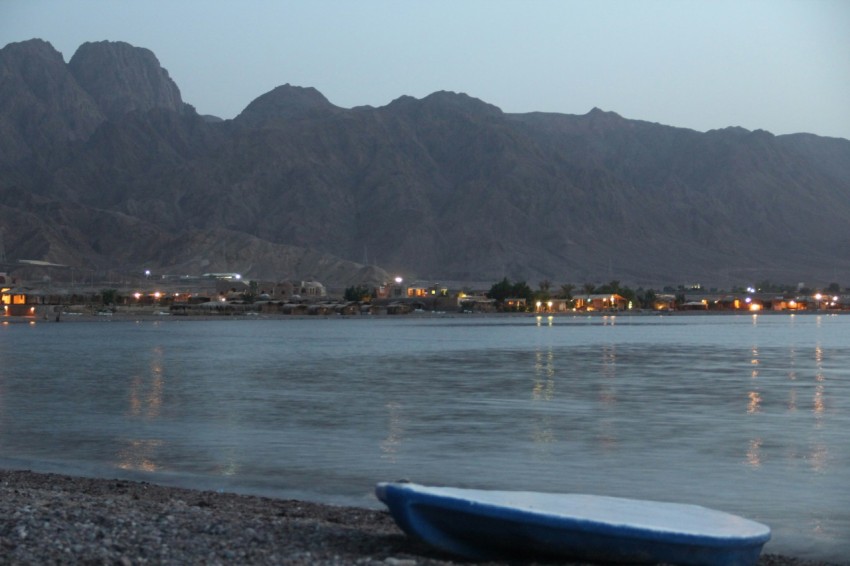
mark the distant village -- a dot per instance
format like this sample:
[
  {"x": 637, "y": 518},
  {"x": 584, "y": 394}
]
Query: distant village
[{"x": 229, "y": 294}]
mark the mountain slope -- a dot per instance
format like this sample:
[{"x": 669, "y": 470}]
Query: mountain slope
[{"x": 446, "y": 187}]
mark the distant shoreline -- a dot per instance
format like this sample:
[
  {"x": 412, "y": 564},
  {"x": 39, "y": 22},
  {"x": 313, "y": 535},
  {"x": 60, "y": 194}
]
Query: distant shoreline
[{"x": 158, "y": 315}]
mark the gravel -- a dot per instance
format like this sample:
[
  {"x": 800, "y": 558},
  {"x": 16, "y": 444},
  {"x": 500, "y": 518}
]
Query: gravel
[{"x": 56, "y": 519}]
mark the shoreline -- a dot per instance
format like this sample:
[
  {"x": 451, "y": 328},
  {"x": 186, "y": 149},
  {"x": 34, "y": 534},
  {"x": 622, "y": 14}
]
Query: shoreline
[
  {"x": 54, "y": 518},
  {"x": 159, "y": 316}
]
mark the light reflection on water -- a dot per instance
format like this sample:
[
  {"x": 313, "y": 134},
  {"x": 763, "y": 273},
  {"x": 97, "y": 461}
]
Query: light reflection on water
[{"x": 748, "y": 414}]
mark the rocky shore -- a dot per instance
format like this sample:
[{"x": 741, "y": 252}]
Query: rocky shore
[{"x": 56, "y": 519}]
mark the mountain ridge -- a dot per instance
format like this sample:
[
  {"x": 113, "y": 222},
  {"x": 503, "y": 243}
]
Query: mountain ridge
[{"x": 446, "y": 187}]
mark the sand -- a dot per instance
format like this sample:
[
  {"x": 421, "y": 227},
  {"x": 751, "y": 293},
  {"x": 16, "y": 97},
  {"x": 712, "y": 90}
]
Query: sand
[{"x": 57, "y": 519}]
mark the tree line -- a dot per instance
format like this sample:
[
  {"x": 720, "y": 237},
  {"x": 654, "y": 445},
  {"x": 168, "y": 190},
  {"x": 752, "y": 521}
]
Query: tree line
[{"x": 505, "y": 289}]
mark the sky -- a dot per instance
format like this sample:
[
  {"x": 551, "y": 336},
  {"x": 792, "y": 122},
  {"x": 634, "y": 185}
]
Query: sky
[{"x": 777, "y": 65}]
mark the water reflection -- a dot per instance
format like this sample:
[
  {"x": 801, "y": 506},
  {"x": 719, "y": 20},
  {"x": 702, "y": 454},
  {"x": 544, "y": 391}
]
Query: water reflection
[
  {"x": 754, "y": 361},
  {"x": 608, "y": 371},
  {"x": 395, "y": 432},
  {"x": 818, "y": 404},
  {"x": 607, "y": 437},
  {"x": 145, "y": 401},
  {"x": 543, "y": 390},
  {"x": 792, "y": 400},
  {"x": 544, "y": 375},
  {"x": 609, "y": 360},
  {"x": 139, "y": 454},
  {"x": 754, "y": 453},
  {"x": 231, "y": 465},
  {"x": 754, "y": 404},
  {"x": 146, "y": 391},
  {"x": 818, "y": 457}
]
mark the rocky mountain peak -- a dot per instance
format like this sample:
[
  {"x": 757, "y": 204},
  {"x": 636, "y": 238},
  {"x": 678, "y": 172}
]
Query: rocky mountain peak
[
  {"x": 34, "y": 66},
  {"x": 286, "y": 102},
  {"x": 444, "y": 101},
  {"x": 123, "y": 78},
  {"x": 24, "y": 51},
  {"x": 35, "y": 82},
  {"x": 604, "y": 119}
]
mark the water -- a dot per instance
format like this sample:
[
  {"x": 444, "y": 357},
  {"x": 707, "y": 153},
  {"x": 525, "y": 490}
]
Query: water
[{"x": 747, "y": 414}]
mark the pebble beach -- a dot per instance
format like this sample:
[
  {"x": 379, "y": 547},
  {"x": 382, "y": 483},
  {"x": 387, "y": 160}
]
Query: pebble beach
[{"x": 57, "y": 519}]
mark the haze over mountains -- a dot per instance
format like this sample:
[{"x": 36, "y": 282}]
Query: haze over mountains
[{"x": 103, "y": 166}]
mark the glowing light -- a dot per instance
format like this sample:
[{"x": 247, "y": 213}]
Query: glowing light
[
  {"x": 398, "y": 280},
  {"x": 755, "y": 307},
  {"x": 137, "y": 295}
]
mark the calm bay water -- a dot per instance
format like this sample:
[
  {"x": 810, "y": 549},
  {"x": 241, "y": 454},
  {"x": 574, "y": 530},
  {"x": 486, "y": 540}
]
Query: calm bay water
[{"x": 747, "y": 414}]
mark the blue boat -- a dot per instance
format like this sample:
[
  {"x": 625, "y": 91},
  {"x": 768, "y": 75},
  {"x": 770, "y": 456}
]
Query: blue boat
[{"x": 492, "y": 525}]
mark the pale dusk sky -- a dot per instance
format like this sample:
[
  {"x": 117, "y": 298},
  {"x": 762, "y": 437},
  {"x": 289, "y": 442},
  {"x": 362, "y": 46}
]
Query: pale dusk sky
[{"x": 778, "y": 65}]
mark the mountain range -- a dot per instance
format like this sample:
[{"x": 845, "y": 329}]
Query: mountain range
[{"x": 103, "y": 166}]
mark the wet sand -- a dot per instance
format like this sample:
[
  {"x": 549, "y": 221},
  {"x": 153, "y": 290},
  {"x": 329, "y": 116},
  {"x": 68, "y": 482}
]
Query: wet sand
[{"x": 53, "y": 519}]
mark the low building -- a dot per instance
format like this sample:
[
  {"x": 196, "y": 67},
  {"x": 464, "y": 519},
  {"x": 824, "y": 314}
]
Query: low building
[
  {"x": 601, "y": 302},
  {"x": 475, "y": 303},
  {"x": 553, "y": 306},
  {"x": 312, "y": 289},
  {"x": 421, "y": 289},
  {"x": 664, "y": 303},
  {"x": 17, "y": 302}
]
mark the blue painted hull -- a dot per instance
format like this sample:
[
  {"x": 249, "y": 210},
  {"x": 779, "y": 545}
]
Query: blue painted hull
[{"x": 474, "y": 525}]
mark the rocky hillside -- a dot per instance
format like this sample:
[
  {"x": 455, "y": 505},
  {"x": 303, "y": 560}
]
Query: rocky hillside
[{"x": 103, "y": 165}]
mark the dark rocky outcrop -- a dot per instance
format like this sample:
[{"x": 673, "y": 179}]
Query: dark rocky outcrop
[{"x": 122, "y": 78}]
